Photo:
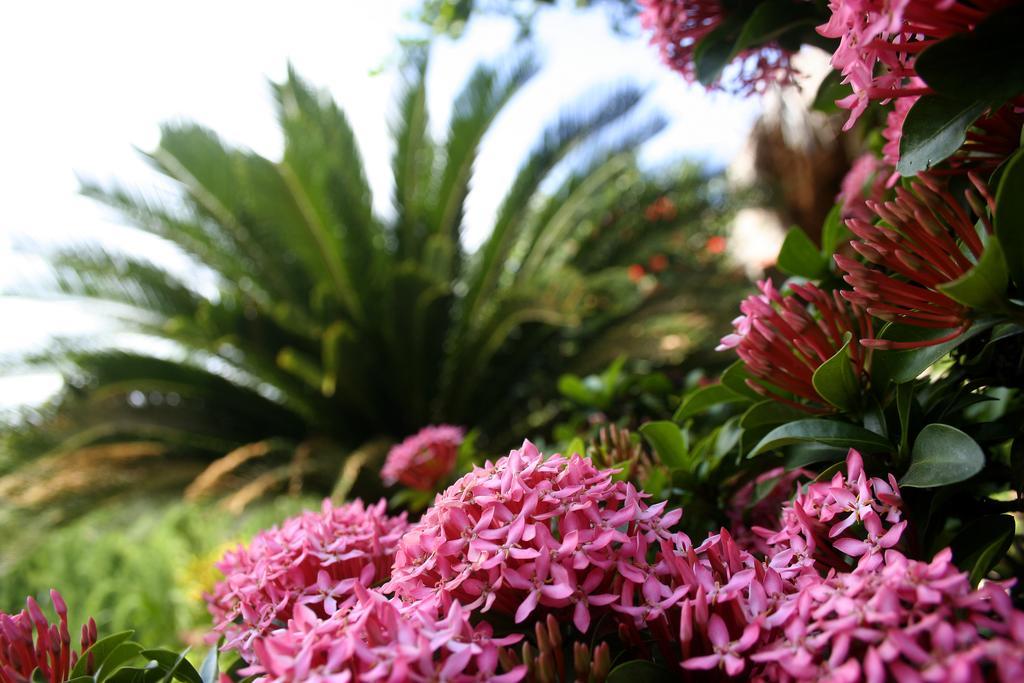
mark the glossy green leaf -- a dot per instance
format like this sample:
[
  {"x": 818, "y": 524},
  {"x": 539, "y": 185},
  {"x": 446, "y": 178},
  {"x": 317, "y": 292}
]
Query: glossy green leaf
[
  {"x": 639, "y": 671},
  {"x": 981, "y": 544},
  {"x": 1009, "y": 215},
  {"x": 735, "y": 377},
  {"x": 904, "y": 404},
  {"x": 837, "y": 382},
  {"x": 209, "y": 671},
  {"x": 834, "y": 232},
  {"x": 905, "y": 365},
  {"x": 772, "y": 18},
  {"x": 828, "y": 432},
  {"x": 800, "y": 256},
  {"x": 667, "y": 441},
  {"x": 985, "y": 64},
  {"x": 942, "y": 455},
  {"x": 702, "y": 399},
  {"x": 100, "y": 651},
  {"x": 983, "y": 287},
  {"x": 769, "y": 412},
  {"x": 167, "y": 659},
  {"x": 715, "y": 50},
  {"x": 935, "y": 127}
]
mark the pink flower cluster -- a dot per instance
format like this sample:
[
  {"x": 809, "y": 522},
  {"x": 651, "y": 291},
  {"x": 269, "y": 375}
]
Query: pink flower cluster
[
  {"x": 529, "y": 532},
  {"x": 375, "y": 638},
  {"x": 49, "y": 650},
  {"x": 678, "y": 25},
  {"x": 783, "y": 340},
  {"x": 424, "y": 459},
  {"x": 316, "y": 560},
  {"x": 808, "y": 613},
  {"x": 880, "y": 39}
]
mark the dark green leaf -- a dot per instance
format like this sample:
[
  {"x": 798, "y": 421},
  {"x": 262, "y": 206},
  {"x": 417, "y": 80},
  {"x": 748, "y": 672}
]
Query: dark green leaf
[
  {"x": 905, "y": 365},
  {"x": 100, "y": 651},
  {"x": 713, "y": 52},
  {"x": 1009, "y": 215},
  {"x": 698, "y": 401},
  {"x": 168, "y": 659},
  {"x": 935, "y": 127},
  {"x": 985, "y": 64},
  {"x": 828, "y": 432},
  {"x": 769, "y": 412},
  {"x": 942, "y": 455},
  {"x": 984, "y": 286},
  {"x": 771, "y": 19},
  {"x": 981, "y": 544},
  {"x": 735, "y": 377},
  {"x": 830, "y": 90},
  {"x": 904, "y": 402},
  {"x": 800, "y": 256},
  {"x": 638, "y": 671},
  {"x": 836, "y": 381},
  {"x": 834, "y": 232},
  {"x": 667, "y": 441}
]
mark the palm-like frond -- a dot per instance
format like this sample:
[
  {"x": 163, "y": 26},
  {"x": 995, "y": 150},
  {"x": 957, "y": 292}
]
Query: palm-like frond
[{"x": 334, "y": 327}]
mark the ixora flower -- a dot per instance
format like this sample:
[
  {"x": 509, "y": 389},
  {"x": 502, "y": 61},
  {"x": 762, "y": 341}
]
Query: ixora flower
[
  {"x": 678, "y": 25},
  {"x": 379, "y": 639},
  {"x": 316, "y": 559},
  {"x": 926, "y": 239},
  {"x": 880, "y": 39},
  {"x": 424, "y": 459},
  {"x": 784, "y": 339},
  {"x": 528, "y": 533},
  {"x": 49, "y": 651}
]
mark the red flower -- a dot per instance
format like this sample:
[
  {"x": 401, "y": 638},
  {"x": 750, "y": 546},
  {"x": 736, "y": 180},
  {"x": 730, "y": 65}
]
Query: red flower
[
  {"x": 678, "y": 25},
  {"x": 636, "y": 272},
  {"x": 49, "y": 650},
  {"x": 783, "y": 340},
  {"x": 658, "y": 263},
  {"x": 919, "y": 246},
  {"x": 715, "y": 245}
]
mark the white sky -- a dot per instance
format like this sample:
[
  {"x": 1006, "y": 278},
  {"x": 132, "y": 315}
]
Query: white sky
[{"x": 85, "y": 83}]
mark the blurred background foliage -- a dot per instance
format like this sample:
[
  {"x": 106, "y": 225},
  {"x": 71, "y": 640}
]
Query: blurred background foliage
[{"x": 313, "y": 332}]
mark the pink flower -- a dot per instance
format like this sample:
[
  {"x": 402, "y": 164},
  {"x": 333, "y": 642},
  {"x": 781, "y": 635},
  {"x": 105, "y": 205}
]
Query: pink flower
[
  {"x": 726, "y": 651},
  {"x": 678, "y": 25},
  {"x": 783, "y": 340},
  {"x": 880, "y": 39},
  {"x": 529, "y": 533},
  {"x": 916, "y": 249},
  {"x": 317, "y": 559},
  {"x": 49, "y": 650},
  {"x": 378, "y": 639},
  {"x": 424, "y": 459},
  {"x": 865, "y": 180}
]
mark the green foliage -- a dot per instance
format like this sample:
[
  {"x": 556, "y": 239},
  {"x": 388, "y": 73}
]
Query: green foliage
[
  {"x": 331, "y": 326},
  {"x": 135, "y": 567}
]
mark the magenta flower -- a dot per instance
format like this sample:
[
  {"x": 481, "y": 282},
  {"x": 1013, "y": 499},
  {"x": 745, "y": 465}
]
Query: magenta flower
[
  {"x": 880, "y": 39},
  {"x": 784, "y": 339},
  {"x": 726, "y": 651},
  {"x": 375, "y": 638},
  {"x": 424, "y": 459},
  {"x": 49, "y": 650},
  {"x": 316, "y": 560},
  {"x": 529, "y": 533},
  {"x": 927, "y": 238},
  {"x": 678, "y": 25},
  {"x": 866, "y": 180}
]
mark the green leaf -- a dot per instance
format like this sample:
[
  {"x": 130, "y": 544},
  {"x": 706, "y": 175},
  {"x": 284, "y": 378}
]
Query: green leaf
[
  {"x": 667, "y": 441},
  {"x": 828, "y": 432},
  {"x": 985, "y": 64},
  {"x": 830, "y": 90},
  {"x": 702, "y": 399},
  {"x": 209, "y": 671},
  {"x": 771, "y": 19},
  {"x": 100, "y": 651},
  {"x": 800, "y": 256},
  {"x": 837, "y": 382},
  {"x": 573, "y": 388},
  {"x": 904, "y": 403},
  {"x": 981, "y": 544},
  {"x": 935, "y": 127},
  {"x": 576, "y": 446},
  {"x": 1009, "y": 215},
  {"x": 735, "y": 377},
  {"x": 905, "y": 365},
  {"x": 984, "y": 286},
  {"x": 834, "y": 232},
  {"x": 168, "y": 659},
  {"x": 639, "y": 671},
  {"x": 942, "y": 455},
  {"x": 769, "y": 412},
  {"x": 714, "y": 51}
]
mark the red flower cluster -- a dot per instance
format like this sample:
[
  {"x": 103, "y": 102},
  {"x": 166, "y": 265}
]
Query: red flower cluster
[
  {"x": 783, "y": 340},
  {"x": 49, "y": 651},
  {"x": 425, "y": 458},
  {"x": 916, "y": 249},
  {"x": 316, "y": 560},
  {"x": 678, "y": 25}
]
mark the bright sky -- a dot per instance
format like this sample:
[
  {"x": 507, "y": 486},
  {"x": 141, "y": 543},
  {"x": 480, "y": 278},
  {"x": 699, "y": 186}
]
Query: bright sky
[{"x": 88, "y": 82}]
